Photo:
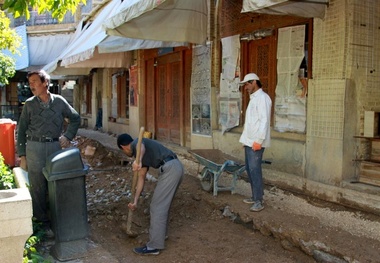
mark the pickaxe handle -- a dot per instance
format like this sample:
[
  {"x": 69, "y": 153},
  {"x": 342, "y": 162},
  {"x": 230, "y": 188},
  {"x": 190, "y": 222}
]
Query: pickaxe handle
[{"x": 135, "y": 179}]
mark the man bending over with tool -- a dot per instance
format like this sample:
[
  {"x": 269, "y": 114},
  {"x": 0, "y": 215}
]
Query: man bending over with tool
[{"x": 155, "y": 155}]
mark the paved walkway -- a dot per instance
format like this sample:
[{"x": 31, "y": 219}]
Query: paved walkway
[{"x": 325, "y": 231}]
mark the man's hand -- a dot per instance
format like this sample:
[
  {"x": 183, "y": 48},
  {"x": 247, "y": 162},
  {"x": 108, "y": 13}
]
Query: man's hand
[
  {"x": 65, "y": 143},
  {"x": 136, "y": 166},
  {"x": 132, "y": 206},
  {"x": 23, "y": 164},
  {"x": 256, "y": 146}
]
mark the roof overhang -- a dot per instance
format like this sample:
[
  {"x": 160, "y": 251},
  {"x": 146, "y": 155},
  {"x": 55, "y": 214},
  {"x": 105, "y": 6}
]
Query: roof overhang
[
  {"x": 165, "y": 20},
  {"x": 301, "y": 8}
]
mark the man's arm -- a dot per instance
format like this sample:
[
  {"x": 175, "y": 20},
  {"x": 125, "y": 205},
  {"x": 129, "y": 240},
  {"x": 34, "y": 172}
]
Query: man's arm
[
  {"x": 137, "y": 164},
  {"x": 139, "y": 187},
  {"x": 73, "y": 118},
  {"x": 21, "y": 131}
]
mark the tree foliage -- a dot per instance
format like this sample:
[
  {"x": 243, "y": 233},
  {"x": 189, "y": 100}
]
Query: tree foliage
[
  {"x": 58, "y": 8},
  {"x": 10, "y": 40},
  {"x": 6, "y": 175},
  {"x": 7, "y": 68}
]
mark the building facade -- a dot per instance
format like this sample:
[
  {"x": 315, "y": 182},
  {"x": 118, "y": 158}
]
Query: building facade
[{"x": 321, "y": 71}]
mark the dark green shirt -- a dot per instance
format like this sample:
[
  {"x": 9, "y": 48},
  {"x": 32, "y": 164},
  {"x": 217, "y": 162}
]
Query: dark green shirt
[
  {"x": 46, "y": 120},
  {"x": 155, "y": 153}
]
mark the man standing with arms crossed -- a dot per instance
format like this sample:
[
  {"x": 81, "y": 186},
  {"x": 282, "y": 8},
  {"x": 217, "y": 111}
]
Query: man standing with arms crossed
[
  {"x": 255, "y": 137},
  {"x": 39, "y": 135}
]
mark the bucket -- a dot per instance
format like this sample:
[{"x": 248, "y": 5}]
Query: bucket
[{"x": 7, "y": 142}]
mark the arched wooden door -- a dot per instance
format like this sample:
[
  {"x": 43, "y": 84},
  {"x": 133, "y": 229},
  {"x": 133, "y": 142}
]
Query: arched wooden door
[{"x": 169, "y": 97}]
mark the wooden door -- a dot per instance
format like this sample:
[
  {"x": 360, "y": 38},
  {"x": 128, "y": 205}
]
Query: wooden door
[{"x": 169, "y": 94}]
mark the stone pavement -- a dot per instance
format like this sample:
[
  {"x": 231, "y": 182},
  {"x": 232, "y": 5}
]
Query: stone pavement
[{"x": 326, "y": 232}]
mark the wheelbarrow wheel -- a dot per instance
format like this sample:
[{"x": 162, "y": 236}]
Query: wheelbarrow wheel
[{"x": 207, "y": 179}]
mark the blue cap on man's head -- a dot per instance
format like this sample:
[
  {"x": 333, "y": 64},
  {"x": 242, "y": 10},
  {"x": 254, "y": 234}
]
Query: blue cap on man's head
[{"x": 124, "y": 139}]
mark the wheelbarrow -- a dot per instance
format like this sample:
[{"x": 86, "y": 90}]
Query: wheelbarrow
[{"x": 216, "y": 163}]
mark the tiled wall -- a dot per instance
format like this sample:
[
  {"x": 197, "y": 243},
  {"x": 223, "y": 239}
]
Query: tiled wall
[{"x": 346, "y": 46}]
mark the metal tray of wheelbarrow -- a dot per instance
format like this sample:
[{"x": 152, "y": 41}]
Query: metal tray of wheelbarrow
[{"x": 215, "y": 163}]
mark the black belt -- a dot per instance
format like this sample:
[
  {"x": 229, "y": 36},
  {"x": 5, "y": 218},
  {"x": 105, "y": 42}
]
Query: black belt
[
  {"x": 41, "y": 139},
  {"x": 167, "y": 159}
]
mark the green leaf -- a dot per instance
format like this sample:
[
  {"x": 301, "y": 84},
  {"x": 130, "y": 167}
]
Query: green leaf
[{"x": 58, "y": 7}]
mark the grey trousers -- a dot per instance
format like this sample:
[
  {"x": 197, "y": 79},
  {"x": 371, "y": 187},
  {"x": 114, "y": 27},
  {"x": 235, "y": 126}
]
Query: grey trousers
[
  {"x": 36, "y": 155},
  {"x": 169, "y": 178}
]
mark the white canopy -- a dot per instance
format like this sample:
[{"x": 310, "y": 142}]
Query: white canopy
[
  {"x": 84, "y": 45},
  {"x": 91, "y": 47},
  {"x": 104, "y": 60},
  {"x": 119, "y": 44},
  {"x": 53, "y": 65},
  {"x": 302, "y": 8},
  {"x": 165, "y": 20},
  {"x": 42, "y": 49}
]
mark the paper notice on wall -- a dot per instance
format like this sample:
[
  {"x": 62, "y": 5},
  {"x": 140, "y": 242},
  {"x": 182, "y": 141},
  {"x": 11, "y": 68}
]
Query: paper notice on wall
[
  {"x": 230, "y": 96},
  {"x": 290, "y": 114},
  {"x": 288, "y": 85},
  {"x": 201, "y": 75},
  {"x": 201, "y": 90},
  {"x": 229, "y": 88},
  {"x": 230, "y": 57},
  {"x": 229, "y": 114},
  {"x": 290, "y": 102},
  {"x": 291, "y": 42}
]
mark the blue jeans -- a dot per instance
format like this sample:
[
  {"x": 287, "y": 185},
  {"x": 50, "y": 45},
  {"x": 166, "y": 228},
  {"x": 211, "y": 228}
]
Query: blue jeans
[{"x": 253, "y": 161}]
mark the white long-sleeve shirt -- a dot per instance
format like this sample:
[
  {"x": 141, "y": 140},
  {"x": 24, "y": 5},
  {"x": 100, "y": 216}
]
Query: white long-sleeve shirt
[{"x": 257, "y": 120}]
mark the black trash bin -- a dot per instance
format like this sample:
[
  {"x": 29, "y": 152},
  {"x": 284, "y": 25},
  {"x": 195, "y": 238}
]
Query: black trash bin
[{"x": 65, "y": 173}]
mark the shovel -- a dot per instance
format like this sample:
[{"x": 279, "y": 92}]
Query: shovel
[{"x": 134, "y": 183}]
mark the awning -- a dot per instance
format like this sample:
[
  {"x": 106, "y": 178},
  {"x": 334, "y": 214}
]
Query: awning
[
  {"x": 58, "y": 70},
  {"x": 92, "y": 48},
  {"x": 104, "y": 60},
  {"x": 122, "y": 44},
  {"x": 54, "y": 67},
  {"x": 302, "y": 8},
  {"x": 165, "y": 20},
  {"x": 84, "y": 46},
  {"x": 42, "y": 49}
]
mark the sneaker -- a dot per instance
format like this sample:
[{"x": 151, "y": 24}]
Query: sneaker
[
  {"x": 257, "y": 206},
  {"x": 145, "y": 251},
  {"x": 249, "y": 201}
]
